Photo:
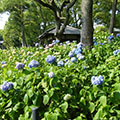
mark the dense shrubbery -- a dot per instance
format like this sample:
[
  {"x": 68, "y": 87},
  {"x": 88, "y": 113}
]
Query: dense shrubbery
[{"x": 76, "y": 85}]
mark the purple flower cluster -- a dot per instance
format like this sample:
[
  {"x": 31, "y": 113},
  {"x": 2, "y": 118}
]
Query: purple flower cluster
[
  {"x": 33, "y": 63},
  {"x": 50, "y": 59},
  {"x": 80, "y": 56},
  {"x": 97, "y": 80},
  {"x": 55, "y": 41},
  {"x": 6, "y": 86},
  {"x": 36, "y": 44},
  {"x": 20, "y": 66},
  {"x": 118, "y": 35},
  {"x": 110, "y": 37},
  {"x": 116, "y": 52},
  {"x": 51, "y": 75},
  {"x": 60, "y": 64},
  {"x": 73, "y": 59},
  {"x": 3, "y": 62},
  {"x": 95, "y": 43}
]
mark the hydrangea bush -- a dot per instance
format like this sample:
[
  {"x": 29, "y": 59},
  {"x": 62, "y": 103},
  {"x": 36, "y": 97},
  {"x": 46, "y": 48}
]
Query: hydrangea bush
[{"x": 65, "y": 81}]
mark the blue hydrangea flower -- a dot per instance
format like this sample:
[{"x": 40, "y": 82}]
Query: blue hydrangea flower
[
  {"x": 101, "y": 43},
  {"x": 3, "y": 62},
  {"x": 67, "y": 42},
  {"x": 116, "y": 52},
  {"x": 60, "y": 64},
  {"x": 80, "y": 56},
  {"x": 95, "y": 43},
  {"x": 51, "y": 75},
  {"x": 118, "y": 35},
  {"x": 110, "y": 37},
  {"x": 73, "y": 59},
  {"x": 33, "y": 63},
  {"x": 78, "y": 50},
  {"x": 36, "y": 44},
  {"x": 6, "y": 86},
  {"x": 73, "y": 50},
  {"x": 20, "y": 66},
  {"x": 61, "y": 44},
  {"x": 40, "y": 48},
  {"x": 57, "y": 41},
  {"x": 79, "y": 45},
  {"x": 84, "y": 67},
  {"x": 94, "y": 38},
  {"x": 70, "y": 54},
  {"x": 50, "y": 59},
  {"x": 66, "y": 60},
  {"x": 97, "y": 80}
]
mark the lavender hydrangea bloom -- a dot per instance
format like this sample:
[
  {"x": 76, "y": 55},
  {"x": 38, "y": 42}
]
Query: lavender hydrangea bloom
[
  {"x": 60, "y": 64},
  {"x": 101, "y": 43},
  {"x": 33, "y": 63},
  {"x": 97, "y": 80},
  {"x": 73, "y": 50},
  {"x": 110, "y": 37},
  {"x": 6, "y": 86},
  {"x": 51, "y": 75},
  {"x": 73, "y": 59},
  {"x": 50, "y": 59},
  {"x": 79, "y": 45},
  {"x": 95, "y": 43},
  {"x": 94, "y": 38},
  {"x": 20, "y": 66},
  {"x": 3, "y": 62},
  {"x": 84, "y": 67},
  {"x": 67, "y": 42},
  {"x": 80, "y": 56},
  {"x": 57, "y": 41},
  {"x": 70, "y": 54},
  {"x": 78, "y": 50},
  {"x": 66, "y": 60},
  {"x": 36, "y": 44},
  {"x": 116, "y": 52},
  {"x": 118, "y": 35}
]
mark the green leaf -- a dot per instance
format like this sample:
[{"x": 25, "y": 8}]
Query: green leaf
[
  {"x": 45, "y": 99},
  {"x": 92, "y": 107},
  {"x": 64, "y": 107},
  {"x": 9, "y": 104},
  {"x": 25, "y": 98},
  {"x": 103, "y": 100},
  {"x": 98, "y": 115},
  {"x": 52, "y": 116},
  {"x": 78, "y": 118},
  {"x": 16, "y": 107},
  {"x": 30, "y": 92},
  {"x": 116, "y": 86},
  {"x": 50, "y": 92}
]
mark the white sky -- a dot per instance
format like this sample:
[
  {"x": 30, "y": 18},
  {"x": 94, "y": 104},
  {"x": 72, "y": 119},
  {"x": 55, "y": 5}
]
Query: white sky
[{"x": 3, "y": 19}]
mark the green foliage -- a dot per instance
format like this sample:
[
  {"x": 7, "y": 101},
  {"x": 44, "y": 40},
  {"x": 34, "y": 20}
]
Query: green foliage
[{"x": 33, "y": 87}]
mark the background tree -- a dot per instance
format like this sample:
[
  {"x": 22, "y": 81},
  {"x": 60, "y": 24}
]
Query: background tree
[
  {"x": 112, "y": 21},
  {"x": 27, "y": 24},
  {"x": 87, "y": 22},
  {"x": 61, "y": 13}
]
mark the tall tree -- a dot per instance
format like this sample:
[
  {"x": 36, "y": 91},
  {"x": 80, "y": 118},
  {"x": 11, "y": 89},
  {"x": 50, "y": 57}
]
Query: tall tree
[
  {"x": 61, "y": 13},
  {"x": 87, "y": 23},
  {"x": 112, "y": 21}
]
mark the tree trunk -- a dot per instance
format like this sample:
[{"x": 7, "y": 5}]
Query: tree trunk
[
  {"x": 24, "y": 44},
  {"x": 87, "y": 23},
  {"x": 112, "y": 21}
]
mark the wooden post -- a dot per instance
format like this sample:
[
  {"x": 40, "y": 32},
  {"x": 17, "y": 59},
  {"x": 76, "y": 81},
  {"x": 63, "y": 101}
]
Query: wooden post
[{"x": 35, "y": 113}]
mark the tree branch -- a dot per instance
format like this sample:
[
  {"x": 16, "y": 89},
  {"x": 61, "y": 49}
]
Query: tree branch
[
  {"x": 45, "y": 5},
  {"x": 67, "y": 16}
]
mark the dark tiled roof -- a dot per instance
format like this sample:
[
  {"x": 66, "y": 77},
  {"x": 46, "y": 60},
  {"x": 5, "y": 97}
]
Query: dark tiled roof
[{"x": 68, "y": 31}]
